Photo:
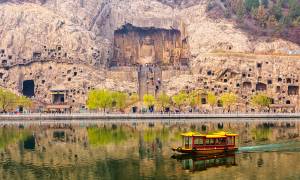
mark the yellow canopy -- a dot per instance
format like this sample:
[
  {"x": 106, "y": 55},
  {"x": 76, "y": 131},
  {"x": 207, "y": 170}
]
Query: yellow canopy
[
  {"x": 221, "y": 134},
  {"x": 190, "y": 134}
]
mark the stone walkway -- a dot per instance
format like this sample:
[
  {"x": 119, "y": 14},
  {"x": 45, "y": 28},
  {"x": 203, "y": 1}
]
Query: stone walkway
[{"x": 188, "y": 116}]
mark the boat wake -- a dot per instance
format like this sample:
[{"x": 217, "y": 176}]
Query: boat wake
[{"x": 282, "y": 147}]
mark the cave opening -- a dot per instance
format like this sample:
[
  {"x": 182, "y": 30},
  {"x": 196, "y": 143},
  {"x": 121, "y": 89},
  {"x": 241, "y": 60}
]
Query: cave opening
[
  {"x": 28, "y": 88},
  {"x": 293, "y": 90},
  {"x": 143, "y": 45},
  {"x": 261, "y": 87}
]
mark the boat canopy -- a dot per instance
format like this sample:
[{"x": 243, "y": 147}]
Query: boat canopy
[
  {"x": 190, "y": 134},
  {"x": 221, "y": 134}
]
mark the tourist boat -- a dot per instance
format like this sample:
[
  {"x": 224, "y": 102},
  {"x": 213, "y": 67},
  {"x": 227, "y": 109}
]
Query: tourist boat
[{"x": 214, "y": 143}]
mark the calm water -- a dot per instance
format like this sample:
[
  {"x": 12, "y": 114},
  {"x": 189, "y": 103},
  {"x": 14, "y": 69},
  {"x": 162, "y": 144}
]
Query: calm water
[{"x": 141, "y": 150}]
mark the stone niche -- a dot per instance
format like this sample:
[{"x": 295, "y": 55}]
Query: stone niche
[{"x": 140, "y": 46}]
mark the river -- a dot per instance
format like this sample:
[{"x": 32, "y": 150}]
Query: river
[{"x": 268, "y": 149}]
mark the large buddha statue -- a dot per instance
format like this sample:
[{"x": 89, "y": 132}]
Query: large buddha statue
[{"x": 147, "y": 51}]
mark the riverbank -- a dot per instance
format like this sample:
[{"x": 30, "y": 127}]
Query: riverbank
[{"x": 101, "y": 116}]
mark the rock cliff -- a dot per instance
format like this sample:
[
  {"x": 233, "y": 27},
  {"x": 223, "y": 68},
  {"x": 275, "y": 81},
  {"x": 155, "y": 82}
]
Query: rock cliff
[{"x": 64, "y": 34}]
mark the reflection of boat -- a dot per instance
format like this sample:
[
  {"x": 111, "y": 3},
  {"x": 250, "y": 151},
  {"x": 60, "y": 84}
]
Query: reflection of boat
[
  {"x": 201, "y": 163},
  {"x": 196, "y": 143}
]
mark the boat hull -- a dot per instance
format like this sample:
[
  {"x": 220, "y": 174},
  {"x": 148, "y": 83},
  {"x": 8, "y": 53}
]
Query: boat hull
[{"x": 205, "y": 151}]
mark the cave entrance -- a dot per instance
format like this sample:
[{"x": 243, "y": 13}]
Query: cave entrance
[
  {"x": 293, "y": 90},
  {"x": 28, "y": 88},
  {"x": 58, "y": 98},
  {"x": 149, "y": 45},
  {"x": 261, "y": 87}
]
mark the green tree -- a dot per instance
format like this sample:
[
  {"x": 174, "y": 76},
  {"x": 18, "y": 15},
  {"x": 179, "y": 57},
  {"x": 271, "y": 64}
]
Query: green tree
[
  {"x": 119, "y": 100},
  {"x": 163, "y": 101},
  {"x": 180, "y": 99},
  {"x": 211, "y": 99},
  {"x": 294, "y": 10},
  {"x": 277, "y": 11},
  {"x": 149, "y": 100},
  {"x": 99, "y": 99},
  {"x": 24, "y": 102},
  {"x": 265, "y": 3},
  {"x": 260, "y": 101},
  {"x": 228, "y": 100},
  {"x": 251, "y": 4},
  {"x": 8, "y": 100},
  {"x": 261, "y": 16}
]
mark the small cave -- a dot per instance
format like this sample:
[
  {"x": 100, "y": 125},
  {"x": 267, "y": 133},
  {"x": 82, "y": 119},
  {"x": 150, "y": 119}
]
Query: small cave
[
  {"x": 4, "y": 62},
  {"x": 247, "y": 85},
  {"x": 288, "y": 80},
  {"x": 28, "y": 88},
  {"x": 143, "y": 45},
  {"x": 278, "y": 89},
  {"x": 203, "y": 101},
  {"x": 293, "y": 90},
  {"x": 261, "y": 87},
  {"x": 58, "y": 98},
  {"x": 269, "y": 81},
  {"x": 259, "y": 65}
]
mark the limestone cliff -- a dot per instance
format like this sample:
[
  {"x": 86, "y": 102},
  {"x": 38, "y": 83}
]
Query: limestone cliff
[{"x": 66, "y": 34}]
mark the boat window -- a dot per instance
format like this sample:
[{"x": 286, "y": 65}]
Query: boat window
[
  {"x": 211, "y": 141},
  {"x": 198, "y": 141},
  {"x": 230, "y": 140},
  {"x": 220, "y": 141},
  {"x": 187, "y": 142}
]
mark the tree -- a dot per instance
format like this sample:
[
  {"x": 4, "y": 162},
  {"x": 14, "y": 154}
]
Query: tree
[
  {"x": 228, "y": 100},
  {"x": 179, "y": 99},
  {"x": 163, "y": 100},
  {"x": 265, "y": 3},
  {"x": 10, "y": 101},
  {"x": 277, "y": 11},
  {"x": 294, "y": 10},
  {"x": 211, "y": 99},
  {"x": 251, "y": 4},
  {"x": 133, "y": 98},
  {"x": 261, "y": 101},
  {"x": 24, "y": 102},
  {"x": 99, "y": 99},
  {"x": 92, "y": 102},
  {"x": 193, "y": 99},
  {"x": 7, "y": 100},
  {"x": 119, "y": 100},
  {"x": 149, "y": 100},
  {"x": 261, "y": 16}
]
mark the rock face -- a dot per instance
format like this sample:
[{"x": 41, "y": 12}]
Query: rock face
[{"x": 82, "y": 36}]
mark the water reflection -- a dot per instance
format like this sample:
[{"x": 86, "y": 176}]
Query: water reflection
[
  {"x": 140, "y": 150},
  {"x": 202, "y": 163}
]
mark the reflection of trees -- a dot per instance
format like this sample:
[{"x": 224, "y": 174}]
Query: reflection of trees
[
  {"x": 9, "y": 135},
  {"x": 98, "y": 136},
  {"x": 261, "y": 133}
]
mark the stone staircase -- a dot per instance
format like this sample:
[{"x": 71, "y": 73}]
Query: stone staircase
[{"x": 149, "y": 77}]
